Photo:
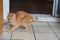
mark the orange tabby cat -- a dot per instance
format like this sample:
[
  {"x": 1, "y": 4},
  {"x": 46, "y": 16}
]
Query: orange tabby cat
[{"x": 20, "y": 18}]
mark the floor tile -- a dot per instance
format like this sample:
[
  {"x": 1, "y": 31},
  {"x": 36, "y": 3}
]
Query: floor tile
[
  {"x": 45, "y": 36},
  {"x": 23, "y": 36},
  {"x": 6, "y": 35},
  {"x": 17, "y": 34},
  {"x": 20, "y": 28},
  {"x": 4, "y": 39},
  {"x": 58, "y": 34},
  {"x": 43, "y": 31},
  {"x": 16, "y": 39},
  {"x": 56, "y": 28},
  {"x": 41, "y": 27},
  {"x": 6, "y": 27}
]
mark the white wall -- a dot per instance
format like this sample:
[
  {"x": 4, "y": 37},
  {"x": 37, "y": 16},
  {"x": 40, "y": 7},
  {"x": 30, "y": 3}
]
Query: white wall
[{"x": 5, "y": 9}]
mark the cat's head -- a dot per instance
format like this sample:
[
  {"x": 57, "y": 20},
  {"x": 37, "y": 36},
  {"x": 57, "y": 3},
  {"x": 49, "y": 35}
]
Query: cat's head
[{"x": 11, "y": 17}]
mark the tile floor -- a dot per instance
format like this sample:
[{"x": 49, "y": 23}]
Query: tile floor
[{"x": 38, "y": 31}]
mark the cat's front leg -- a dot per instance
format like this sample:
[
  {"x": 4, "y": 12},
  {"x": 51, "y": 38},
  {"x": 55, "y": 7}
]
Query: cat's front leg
[{"x": 13, "y": 28}]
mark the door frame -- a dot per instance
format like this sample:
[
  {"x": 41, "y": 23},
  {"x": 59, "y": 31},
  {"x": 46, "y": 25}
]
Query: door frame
[
  {"x": 1, "y": 17},
  {"x": 55, "y": 8}
]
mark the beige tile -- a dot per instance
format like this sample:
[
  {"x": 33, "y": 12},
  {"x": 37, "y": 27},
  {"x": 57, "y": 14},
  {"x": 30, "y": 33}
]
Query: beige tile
[
  {"x": 6, "y": 27},
  {"x": 6, "y": 35},
  {"x": 16, "y": 39},
  {"x": 4, "y": 39},
  {"x": 19, "y": 29},
  {"x": 56, "y": 27},
  {"x": 23, "y": 36},
  {"x": 17, "y": 34},
  {"x": 43, "y": 31},
  {"x": 41, "y": 27},
  {"x": 58, "y": 34},
  {"x": 45, "y": 36},
  {"x": 40, "y": 23}
]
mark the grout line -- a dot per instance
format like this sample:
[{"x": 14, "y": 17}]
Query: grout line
[
  {"x": 53, "y": 31},
  {"x": 11, "y": 35},
  {"x": 33, "y": 31}
]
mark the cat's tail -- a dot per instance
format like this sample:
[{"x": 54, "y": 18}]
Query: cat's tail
[{"x": 35, "y": 19}]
